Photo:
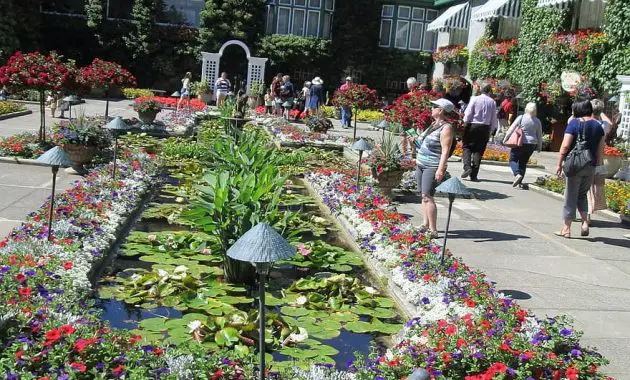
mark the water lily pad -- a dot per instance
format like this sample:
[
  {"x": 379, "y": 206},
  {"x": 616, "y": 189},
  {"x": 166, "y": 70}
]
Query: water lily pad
[
  {"x": 344, "y": 316},
  {"x": 153, "y": 324},
  {"x": 359, "y": 327},
  {"x": 325, "y": 334},
  {"x": 298, "y": 353},
  {"x": 227, "y": 336},
  {"x": 384, "y": 302},
  {"x": 235, "y": 300},
  {"x": 325, "y": 350},
  {"x": 341, "y": 268},
  {"x": 294, "y": 311},
  {"x": 384, "y": 313},
  {"x": 194, "y": 316},
  {"x": 106, "y": 292}
]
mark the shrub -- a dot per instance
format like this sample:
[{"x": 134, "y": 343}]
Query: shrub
[
  {"x": 132, "y": 93},
  {"x": 10, "y": 107}
]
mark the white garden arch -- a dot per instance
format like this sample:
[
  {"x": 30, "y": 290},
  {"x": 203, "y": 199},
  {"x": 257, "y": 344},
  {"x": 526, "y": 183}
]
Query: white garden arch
[{"x": 255, "y": 67}]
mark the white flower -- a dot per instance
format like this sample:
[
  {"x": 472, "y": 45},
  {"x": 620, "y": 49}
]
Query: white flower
[
  {"x": 371, "y": 290},
  {"x": 301, "y": 300},
  {"x": 194, "y": 325},
  {"x": 300, "y": 336},
  {"x": 152, "y": 238},
  {"x": 161, "y": 272}
]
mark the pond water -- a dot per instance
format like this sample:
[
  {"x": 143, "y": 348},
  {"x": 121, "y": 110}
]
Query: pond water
[{"x": 125, "y": 316}]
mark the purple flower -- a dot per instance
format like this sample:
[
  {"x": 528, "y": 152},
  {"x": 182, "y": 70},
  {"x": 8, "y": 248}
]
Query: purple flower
[
  {"x": 566, "y": 332},
  {"x": 426, "y": 300},
  {"x": 576, "y": 353}
]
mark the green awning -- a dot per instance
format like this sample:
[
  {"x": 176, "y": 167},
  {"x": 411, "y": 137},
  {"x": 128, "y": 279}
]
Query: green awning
[{"x": 441, "y": 3}]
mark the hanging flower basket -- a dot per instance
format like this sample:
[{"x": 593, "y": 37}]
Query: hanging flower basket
[{"x": 451, "y": 54}]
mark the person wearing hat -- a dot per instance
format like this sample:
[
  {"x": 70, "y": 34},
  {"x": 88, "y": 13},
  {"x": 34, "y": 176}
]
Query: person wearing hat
[
  {"x": 346, "y": 111},
  {"x": 433, "y": 149},
  {"x": 316, "y": 96}
]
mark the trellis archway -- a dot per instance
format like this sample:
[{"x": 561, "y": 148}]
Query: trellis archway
[{"x": 255, "y": 66}]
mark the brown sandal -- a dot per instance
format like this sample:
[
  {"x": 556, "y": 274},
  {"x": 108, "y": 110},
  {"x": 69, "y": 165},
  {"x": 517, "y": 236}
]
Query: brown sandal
[{"x": 565, "y": 235}]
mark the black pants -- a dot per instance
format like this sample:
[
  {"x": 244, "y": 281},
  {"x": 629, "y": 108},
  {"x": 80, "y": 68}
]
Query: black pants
[{"x": 474, "y": 142}]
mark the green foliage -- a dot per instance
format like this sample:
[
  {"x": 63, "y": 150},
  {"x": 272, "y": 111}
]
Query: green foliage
[
  {"x": 480, "y": 67},
  {"x": 223, "y": 20},
  {"x": 139, "y": 41},
  {"x": 286, "y": 52},
  {"x": 531, "y": 68},
  {"x": 95, "y": 12},
  {"x": 132, "y": 93},
  {"x": 616, "y": 60},
  {"x": 9, "y": 41}
]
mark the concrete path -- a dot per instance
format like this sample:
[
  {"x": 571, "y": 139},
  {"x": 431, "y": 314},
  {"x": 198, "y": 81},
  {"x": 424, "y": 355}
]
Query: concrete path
[
  {"x": 23, "y": 189},
  {"x": 508, "y": 234}
]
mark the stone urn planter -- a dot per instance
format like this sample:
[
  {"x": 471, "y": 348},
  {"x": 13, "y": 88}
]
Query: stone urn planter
[
  {"x": 388, "y": 180},
  {"x": 148, "y": 116},
  {"x": 205, "y": 97},
  {"x": 612, "y": 164},
  {"x": 80, "y": 155}
]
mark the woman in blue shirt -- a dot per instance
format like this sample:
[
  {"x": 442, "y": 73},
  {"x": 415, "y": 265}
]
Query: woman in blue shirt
[{"x": 577, "y": 186}]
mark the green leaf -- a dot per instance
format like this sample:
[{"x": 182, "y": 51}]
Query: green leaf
[
  {"x": 153, "y": 324},
  {"x": 294, "y": 311}
]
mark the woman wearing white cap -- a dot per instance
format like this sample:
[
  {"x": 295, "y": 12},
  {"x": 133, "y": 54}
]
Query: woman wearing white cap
[
  {"x": 316, "y": 96},
  {"x": 434, "y": 148}
]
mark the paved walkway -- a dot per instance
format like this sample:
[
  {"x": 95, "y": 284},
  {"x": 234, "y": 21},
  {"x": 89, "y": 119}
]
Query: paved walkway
[{"x": 508, "y": 234}]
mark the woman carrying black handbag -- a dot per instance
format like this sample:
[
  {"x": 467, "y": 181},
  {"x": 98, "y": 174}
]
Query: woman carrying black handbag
[{"x": 582, "y": 149}]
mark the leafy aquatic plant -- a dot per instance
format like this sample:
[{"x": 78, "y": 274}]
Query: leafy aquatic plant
[{"x": 321, "y": 255}]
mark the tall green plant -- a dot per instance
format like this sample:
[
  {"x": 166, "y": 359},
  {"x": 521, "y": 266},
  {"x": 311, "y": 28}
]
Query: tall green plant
[
  {"x": 223, "y": 20},
  {"x": 616, "y": 60}
]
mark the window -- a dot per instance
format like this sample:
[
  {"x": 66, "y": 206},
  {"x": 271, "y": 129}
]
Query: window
[
  {"x": 307, "y": 18},
  {"x": 402, "y": 34},
  {"x": 299, "y": 17},
  {"x": 408, "y": 26},
  {"x": 387, "y": 11},
  {"x": 418, "y": 14},
  {"x": 386, "y": 33},
  {"x": 404, "y": 12},
  {"x": 415, "y": 36},
  {"x": 313, "y": 24},
  {"x": 283, "y": 20}
]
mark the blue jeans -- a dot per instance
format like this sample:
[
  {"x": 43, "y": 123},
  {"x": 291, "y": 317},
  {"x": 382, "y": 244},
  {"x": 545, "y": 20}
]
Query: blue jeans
[
  {"x": 346, "y": 116},
  {"x": 519, "y": 157}
]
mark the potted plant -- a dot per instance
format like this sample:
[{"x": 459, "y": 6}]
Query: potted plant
[
  {"x": 613, "y": 158},
  {"x": 318, "y": 122},
  {"x": 147, "y": 108},
  {"x": 256, "y": 93},
  {"x": 81, "y": 139},
  {"x": 388, "y": 164}
]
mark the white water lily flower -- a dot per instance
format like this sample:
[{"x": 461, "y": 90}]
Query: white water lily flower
[
  {"x": 180, "y": 269},
  {"x": 152, "y": 237},
  {"x": 206, "y": 251},
  {"x": 162, "y": 273},
  {"x": 371, "y": 290},
  {"x": 300, "y": 336},
  {"x": 194, "y": 325},
  {"x": 301, "y": 300}
]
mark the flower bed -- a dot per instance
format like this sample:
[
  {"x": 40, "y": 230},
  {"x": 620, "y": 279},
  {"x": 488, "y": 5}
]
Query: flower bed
[
  {"x": 24, "y": 145},
  {"x": 293, "y": 134},
  {"x": 494, "y": 152},
  {"x": 10, "y": 107},
  {"x": 463, "y": 328},
  {"x": 617, "y": 192},
  {"x": 162, "y": 101}
]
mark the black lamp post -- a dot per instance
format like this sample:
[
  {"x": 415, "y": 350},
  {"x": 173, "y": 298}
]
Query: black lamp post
[
  {"x": 70, "y": 99},
  {"x": 116, "y": 126},
  {"x": 55, "y": 158},
  {"x": 261, "y": 246},
  {"x": 453, "y": 187},
  {"x": 360, "y": 145}
]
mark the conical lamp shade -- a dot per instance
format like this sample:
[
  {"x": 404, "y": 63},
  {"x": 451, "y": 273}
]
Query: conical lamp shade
[
  {"x": 176, "y": 94},
  {"x": 453, "y": 186},
  {"x": 55, "y": 157},
  {"x": 117, "y": 124},
  {"x": 361, "y": 145},
  {"x": 383, "y": 124},
  {"x": 261, "y": 244}
]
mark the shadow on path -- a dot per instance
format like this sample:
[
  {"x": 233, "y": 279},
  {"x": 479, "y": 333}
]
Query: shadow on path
[
  {"x": 625, "y": 243},
  {"x": 481, "y": 236},
  {"x": 515, "y": 294},
  {"x": 482, "y": 195}
]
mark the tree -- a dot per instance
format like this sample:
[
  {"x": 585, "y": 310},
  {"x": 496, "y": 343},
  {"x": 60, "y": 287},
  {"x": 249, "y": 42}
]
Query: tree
[
  {"x": 139, "y": 41},
  {"x": 105, "y": 75},
  {"x": 95, "y": 16},
  {"x": 9, "y": 41},
  {"x": 358, "y": 97},
  {"x": 223, "y": 20},
  {"x": 38, "y": 72}
]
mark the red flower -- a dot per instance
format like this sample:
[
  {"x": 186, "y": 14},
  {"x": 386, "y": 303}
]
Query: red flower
[
  {"x": 67, "y": 265},
  {"x": 66, "y": 329},
  {"x": 158, "y": 351},
  {"x": 135, "y": 339},
  {"x": 451, "y": 330},
  {"x": 571, "y": 373},
  {"x": 20, "y": 277},
  {"x": 78, "y": 367},
  {"x": 53, "y": 335},
  {"x": 118, "y": 370},
  {"x": 470, "y": 303},
  {"x": 25, "y": 292},
  {"x": 80, "y": 345}
]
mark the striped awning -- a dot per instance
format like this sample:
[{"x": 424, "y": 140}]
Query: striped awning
[
  {"x": 455, "y": 17},
  {"x": 498, "y": 8},
  {"x": 563, "y": 4}
]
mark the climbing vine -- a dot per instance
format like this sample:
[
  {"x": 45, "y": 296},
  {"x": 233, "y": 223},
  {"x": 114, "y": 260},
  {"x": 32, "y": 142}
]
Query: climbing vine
[
  {"x": 616, "y": 60},
  {"x": 491, "y": 58},
  {"x": 530, "y": 68}
]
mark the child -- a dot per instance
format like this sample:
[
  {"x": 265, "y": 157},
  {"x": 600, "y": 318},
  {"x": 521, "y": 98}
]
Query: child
[
  {"x": 268, "y": 103},
  {"x": 52, "y": 103}
]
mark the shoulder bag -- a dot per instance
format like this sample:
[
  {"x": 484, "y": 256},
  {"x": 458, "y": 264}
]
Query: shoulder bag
[
  {"x": 579, "y": 157},
  {"x": 515, "y": 139}
]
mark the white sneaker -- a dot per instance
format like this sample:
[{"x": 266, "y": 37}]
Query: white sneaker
[{"x": 517, "y": 180}]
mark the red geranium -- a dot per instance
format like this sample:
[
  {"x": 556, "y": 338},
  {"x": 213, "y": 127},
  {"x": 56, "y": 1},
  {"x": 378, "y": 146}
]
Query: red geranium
[
  {"x": 105, "y": 74},
  {"x": 53, "y": 335},
  {"x": 357, "y": 96},
  {"x": 37, "y": 71}
]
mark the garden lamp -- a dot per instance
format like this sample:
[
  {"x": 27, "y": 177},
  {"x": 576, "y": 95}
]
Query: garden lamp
[
  {"x": 55, "y": 158},
  {"x": 383, "y": 125},
  {"x": 70, "y": 99},
  {"x": 453, "y": 187},
  {"x": 360, "y": 145},
  {"x": 261, "y": 246},
  {"x": 176, "y": 94},
  {"x": 115, "y": 126},
  {"x": 614, "y": 99},
  {"x": 419, "y": 374}
]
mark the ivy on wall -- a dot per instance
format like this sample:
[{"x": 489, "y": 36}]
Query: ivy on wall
[
  {"x": 223, "y": 20},
  {"x": 287, "y": 53},
  {"x": 616, "y": 60},
  {"x": 530, "y": 68}
]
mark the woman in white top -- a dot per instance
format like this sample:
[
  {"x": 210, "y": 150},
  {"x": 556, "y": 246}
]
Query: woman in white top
[
  {"x": 596, "y": 195},
  {"x": 185, "y": 91},
  {"x": 532, "y": 141}
]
